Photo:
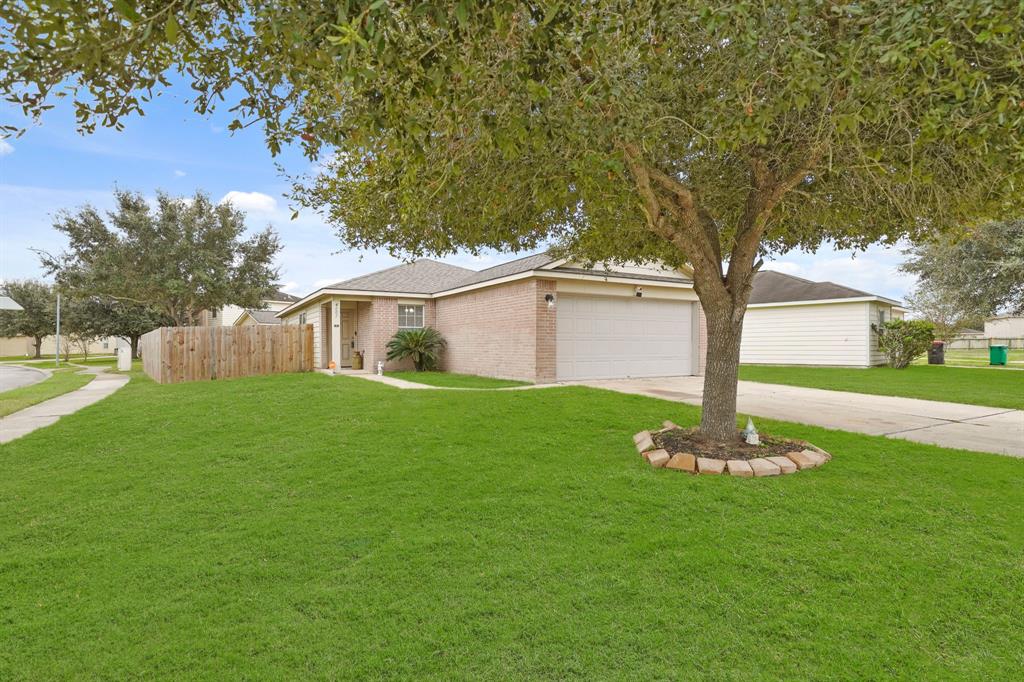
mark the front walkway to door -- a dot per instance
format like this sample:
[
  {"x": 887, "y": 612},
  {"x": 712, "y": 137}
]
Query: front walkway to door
[{"x": 951, "y": 425}]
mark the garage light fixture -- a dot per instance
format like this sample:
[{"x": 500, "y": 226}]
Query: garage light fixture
[
  {"x": 550, "y": 298},
  {"x": 638, "y": 292}
]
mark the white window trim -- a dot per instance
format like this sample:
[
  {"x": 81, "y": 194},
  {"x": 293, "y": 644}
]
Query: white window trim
[{"x": 421, "y": 315}]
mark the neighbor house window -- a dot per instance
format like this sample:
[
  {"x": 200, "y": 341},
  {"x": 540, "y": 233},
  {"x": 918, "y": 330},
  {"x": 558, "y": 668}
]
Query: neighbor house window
[
  {"x": 213, "y": 314},
  {"x": 302, "y": 318},
  {"x": 410, "y": 317}
]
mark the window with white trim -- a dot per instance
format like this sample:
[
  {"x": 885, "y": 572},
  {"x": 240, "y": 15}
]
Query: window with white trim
[
  {"x": 410, "y": 316},
  {"x": 302, "y": 318}
]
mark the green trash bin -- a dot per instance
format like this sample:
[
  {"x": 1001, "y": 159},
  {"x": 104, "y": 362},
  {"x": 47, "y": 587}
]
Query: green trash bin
[{"x": 998, "y": 355}]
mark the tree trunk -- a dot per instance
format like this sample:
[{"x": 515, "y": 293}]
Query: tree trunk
[
  {"x": 718, "y": 406},
  {"x": 39, "y": 347},
  {"x": 135, "y": 345}
]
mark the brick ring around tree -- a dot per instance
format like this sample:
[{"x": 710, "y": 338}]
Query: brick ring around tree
[{"x": 784, "y": 457}]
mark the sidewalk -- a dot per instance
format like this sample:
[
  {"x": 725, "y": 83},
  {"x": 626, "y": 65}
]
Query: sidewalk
[{"x": 48, "y": 412}]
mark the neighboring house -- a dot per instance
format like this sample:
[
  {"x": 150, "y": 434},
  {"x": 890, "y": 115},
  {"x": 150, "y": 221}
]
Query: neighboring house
[
  {"x": 249, "y": 317},
  {"x": 795, "y": 321},
  {"x": 1004, "y": 327},
  {"x": 229, "y": 314},
  {"x": 12, "y": 346},
  {"x": 536, "y": 318}
]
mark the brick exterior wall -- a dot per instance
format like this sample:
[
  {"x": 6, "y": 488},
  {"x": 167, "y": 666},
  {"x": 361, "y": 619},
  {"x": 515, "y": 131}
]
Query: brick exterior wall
[
  {"x": 376, "y": 323},
  {"x": 505, "y": 331}
]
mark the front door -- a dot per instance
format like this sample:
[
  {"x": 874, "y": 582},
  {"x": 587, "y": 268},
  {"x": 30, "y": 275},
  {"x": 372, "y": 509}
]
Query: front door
[{"x": 347, "y": 336}]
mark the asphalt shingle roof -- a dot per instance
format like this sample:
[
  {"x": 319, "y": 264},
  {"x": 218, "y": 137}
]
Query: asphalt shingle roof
[
  {"x": 423, "y": 276},
  {"x": 281, "y": 296},
  {"x": 264, "y": 316},
  {"x": 776, "y": 287},
  {"x": 513, "y": 267}
]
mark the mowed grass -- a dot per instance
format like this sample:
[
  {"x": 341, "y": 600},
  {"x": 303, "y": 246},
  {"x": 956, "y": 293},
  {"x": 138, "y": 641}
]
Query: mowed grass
[
  {"x": 929, "y": 382},
  {"x": 330, "y": 527},
  {"x": 451, "y": 380},
  {"x": 60, "y": 382},
  {"x": 978, "y": 357}
]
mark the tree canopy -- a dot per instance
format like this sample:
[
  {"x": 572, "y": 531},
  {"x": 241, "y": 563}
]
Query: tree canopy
[
  {"x": 175, "y": 261},
  {"x": 38, "y": 318},
  {"x": 708, "y": 134},
  {"x": 979, "y": 273}
]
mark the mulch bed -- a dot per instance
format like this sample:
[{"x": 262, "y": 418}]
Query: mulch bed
[{"x": 688, "y": 440}]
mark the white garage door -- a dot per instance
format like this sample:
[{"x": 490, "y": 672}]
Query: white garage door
[{"x": 607, "y": 338}]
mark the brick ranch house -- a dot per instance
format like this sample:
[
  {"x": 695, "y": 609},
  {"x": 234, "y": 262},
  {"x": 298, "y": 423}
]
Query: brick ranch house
[
  {"x": 542, "y": 319},
  {"x": 536, "y": 319}
]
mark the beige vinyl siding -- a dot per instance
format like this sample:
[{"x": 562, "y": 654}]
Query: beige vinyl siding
[
  {"x": 312, "y": 317},
  {"x": 817, "y": 334}
]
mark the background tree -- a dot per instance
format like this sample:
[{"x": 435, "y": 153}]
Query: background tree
[
  {"x": 708, "y": 134},
  {"x": 77, "y": 331},
  {"x": 102, "y": 317},
  {"x": 39, "y": 317},
  {"x": 942, "y": 312},
  {"x": 183, "y": 257},
  {"x": 979, "y": 273}
]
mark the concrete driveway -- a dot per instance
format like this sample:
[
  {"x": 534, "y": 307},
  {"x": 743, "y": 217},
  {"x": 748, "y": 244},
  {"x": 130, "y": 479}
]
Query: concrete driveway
[
  {"x": 951, "y": 425},
  {"x": 13, "y": 376}
]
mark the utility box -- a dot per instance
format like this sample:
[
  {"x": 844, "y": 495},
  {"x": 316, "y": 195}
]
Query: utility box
[
  {"x": 937, "y": 353},
  {"x": 124, "y": 359},
  {"x": 998, "y": 355}
]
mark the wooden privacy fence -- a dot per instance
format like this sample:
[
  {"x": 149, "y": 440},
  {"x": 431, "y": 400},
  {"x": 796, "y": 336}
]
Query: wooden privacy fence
[{"x": 171, "y": 355}]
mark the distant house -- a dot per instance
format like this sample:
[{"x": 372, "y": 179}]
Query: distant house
[
  {"x": 249, "y": 317},
  {"x": 796, "y": 321},
  {"x": 229, "y": 314},
  {"x": 1004, "y": 327}
]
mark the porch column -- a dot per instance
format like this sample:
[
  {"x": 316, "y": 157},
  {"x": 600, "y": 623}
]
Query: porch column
[{"x": 336, "y": 332}]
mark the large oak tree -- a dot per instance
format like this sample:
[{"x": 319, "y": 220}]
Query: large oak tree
[
  {"x": 174, "y": 261},
  {"x": 692, "y": 132}
]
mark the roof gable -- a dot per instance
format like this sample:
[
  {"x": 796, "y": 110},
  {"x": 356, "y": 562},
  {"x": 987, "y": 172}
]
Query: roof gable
[
  {"x": 777, "y": 287},
  {"x": 423, "y": 276}
]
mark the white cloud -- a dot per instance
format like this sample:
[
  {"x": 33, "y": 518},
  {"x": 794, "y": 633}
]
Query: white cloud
[
  {"x": 253, "y": 202},
  {"x": 6, "y": 148},
  {"x": 180, "y": 173}
]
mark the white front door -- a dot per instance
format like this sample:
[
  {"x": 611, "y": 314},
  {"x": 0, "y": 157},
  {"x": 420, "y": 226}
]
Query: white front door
[
  {"x": 347, "y": 336},
  {"x": 601, "y": 337}
]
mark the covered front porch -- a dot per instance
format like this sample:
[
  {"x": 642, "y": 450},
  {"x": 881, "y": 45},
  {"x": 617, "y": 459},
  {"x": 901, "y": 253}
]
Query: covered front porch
[{"x": 341, "y": 347}]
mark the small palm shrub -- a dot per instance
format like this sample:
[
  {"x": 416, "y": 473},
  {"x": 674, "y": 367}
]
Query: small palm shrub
[
  {"x": 424, "y": 346},
  {"x": 904, "y": 340}
]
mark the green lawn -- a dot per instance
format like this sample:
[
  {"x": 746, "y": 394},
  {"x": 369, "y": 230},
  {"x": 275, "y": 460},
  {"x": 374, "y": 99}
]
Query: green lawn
[
  {"x": 450, "y": 380},
  {"x": 330, "y": 527},
  {"x": 930, "y": 382},
  {"x": 977, "y": 358},
  {"x": 62, "y": 381}
]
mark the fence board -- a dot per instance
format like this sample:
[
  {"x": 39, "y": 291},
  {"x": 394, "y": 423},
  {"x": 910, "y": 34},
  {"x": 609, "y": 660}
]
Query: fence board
[{"x": 171, "y": 355}]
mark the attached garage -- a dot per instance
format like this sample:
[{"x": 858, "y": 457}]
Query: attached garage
[{"x": 605, "y": 337}]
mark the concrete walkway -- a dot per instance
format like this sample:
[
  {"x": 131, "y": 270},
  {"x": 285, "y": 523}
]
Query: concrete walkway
[
  {"x": 46, "y": 413},
  {"x": 402, "y": 383},
  {"x": 951, "y": 425},
  {"x": 16, "y": 376}
]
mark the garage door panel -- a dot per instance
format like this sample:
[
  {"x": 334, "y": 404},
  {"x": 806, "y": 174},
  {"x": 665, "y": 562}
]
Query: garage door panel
[{"x": 599, "y": 337}]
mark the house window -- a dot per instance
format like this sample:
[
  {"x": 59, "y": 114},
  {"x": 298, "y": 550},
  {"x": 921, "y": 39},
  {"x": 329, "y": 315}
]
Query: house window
[
  {"x": 410, "y": 317},
  {"x": 213, "y": 314},
  {"x": 302, "y": 318},
  {"x": 881, "y": 316}
]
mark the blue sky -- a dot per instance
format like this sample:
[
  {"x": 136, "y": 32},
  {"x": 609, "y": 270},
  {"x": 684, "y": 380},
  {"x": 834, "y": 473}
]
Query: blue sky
[{"x": 53, "y": 168}]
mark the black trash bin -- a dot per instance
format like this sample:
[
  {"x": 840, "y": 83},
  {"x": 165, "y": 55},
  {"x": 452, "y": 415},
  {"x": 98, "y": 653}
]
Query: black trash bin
[{"x": 937, "y": 353}]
